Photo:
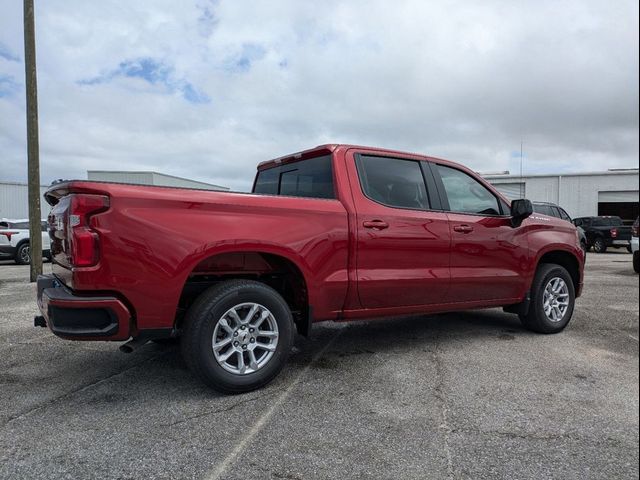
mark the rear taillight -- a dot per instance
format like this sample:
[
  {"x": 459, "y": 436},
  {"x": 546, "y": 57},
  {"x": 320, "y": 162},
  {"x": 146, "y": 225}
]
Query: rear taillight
[
  {"x": 614, "y": 232},
  {"x": 84, "y": 241},
  {"x": 8, "y": 234},
  {"x": 634, "y": 230}
]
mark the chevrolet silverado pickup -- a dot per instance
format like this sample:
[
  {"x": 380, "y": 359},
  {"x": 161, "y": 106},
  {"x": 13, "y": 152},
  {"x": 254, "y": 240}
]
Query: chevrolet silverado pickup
[{"x": 337, "y": 232}]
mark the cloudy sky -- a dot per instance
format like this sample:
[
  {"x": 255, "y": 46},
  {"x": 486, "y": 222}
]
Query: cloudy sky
[{"x": 207, "y": 89}]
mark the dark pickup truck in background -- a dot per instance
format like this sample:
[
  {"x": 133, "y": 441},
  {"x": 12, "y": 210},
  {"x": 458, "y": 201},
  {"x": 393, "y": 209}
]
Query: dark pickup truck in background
[{"x": 604, "y": 232}]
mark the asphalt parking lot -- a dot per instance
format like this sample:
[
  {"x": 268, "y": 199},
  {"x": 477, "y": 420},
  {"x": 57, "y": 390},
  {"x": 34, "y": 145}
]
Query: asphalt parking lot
[{"x": 462, "y": 395}]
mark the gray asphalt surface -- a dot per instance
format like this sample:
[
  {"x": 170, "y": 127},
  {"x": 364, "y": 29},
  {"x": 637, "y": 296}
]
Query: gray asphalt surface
[{"x": 462, "y": 395}]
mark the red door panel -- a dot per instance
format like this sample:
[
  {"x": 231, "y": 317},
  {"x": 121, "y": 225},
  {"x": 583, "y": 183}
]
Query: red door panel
[
  {"x": 488, "y": 258},
  {"x": 402, "y": 255}
]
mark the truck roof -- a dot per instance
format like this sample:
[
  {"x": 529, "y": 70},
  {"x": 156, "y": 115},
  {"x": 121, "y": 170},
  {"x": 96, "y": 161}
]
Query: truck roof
[{"x": 329, "y": 148}]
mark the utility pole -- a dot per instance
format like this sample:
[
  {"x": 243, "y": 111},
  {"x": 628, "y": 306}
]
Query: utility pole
[{"x": 33, "y": 156}]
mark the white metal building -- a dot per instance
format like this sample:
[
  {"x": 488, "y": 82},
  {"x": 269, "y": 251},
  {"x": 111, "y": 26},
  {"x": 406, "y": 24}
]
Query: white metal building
[
  {"x": 149, "y": 178},
  {"x": 614, "y": 192},
  {"x": 14, "y": 200}
]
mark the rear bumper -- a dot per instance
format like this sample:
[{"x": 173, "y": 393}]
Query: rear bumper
[
  {"x": 620, "y": 243},
  {"x": 71, "y": 316}
]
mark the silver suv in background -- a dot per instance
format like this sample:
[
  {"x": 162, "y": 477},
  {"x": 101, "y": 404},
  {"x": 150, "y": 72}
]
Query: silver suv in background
[{"x": 14, "y": 241}]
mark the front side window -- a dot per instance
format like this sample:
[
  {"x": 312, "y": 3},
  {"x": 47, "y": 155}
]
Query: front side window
[
  {"x": 564, "y": 215},
  {"x": 393, "y": 182},
  {"x": 466, "y": 194},
  {"x": 311, "y": 178}
]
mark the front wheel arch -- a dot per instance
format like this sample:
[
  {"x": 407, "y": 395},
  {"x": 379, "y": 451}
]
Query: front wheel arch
[{"x": 536, "y": 319}]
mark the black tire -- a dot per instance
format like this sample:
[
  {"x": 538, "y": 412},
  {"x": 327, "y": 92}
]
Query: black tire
[
  {"x": 636, "y": 261},
  {"x": 199, "y": 326},
  {"x": 584, "y": 246},
  {"x": 536, "y": 319},
  {"x": 23, "y": 256},
  {"x": 599, "y": 246}
]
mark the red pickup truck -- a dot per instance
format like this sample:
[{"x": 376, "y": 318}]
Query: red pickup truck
[{"x": 338, "y": 232}]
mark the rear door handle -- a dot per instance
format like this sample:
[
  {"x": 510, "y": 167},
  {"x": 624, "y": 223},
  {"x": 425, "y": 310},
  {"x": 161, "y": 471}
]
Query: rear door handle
[
  {"x": 463, "y": 228},
  {"x": 375, "y": 224}
]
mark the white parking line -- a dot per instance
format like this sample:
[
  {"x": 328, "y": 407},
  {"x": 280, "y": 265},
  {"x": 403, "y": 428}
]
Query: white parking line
[{"x": 222, "y": 467}]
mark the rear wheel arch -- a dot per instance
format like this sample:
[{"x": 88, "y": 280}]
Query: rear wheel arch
[{"x": 277, "y": 271}]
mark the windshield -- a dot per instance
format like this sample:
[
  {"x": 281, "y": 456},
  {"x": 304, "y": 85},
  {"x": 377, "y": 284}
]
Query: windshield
[{"x": 607, "y": 222}]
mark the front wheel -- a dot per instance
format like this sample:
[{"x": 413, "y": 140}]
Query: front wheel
[
  {"x": 237, "y": 336},
  {"x": 636, "y": 261},
  {"x": 552, "y": 300}
]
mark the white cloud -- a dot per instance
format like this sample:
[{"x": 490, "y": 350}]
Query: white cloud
[{"x": 450, "y": 79}]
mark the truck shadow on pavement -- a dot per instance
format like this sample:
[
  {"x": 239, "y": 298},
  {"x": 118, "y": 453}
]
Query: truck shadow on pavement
[{"x": 332, "y": 345}]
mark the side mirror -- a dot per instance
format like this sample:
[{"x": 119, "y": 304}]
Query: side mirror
[{"x": 520, "y": 209}]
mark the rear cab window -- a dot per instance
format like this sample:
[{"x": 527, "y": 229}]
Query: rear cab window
[
  {"x": 607, "y": 222},
  {"x": 310, "y": 178},
  {"x": 393, "y": 182}
]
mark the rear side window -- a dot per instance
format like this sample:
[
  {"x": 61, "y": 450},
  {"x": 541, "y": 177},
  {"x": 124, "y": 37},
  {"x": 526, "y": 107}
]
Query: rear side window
[
  {"x": 20, "y": 225},
  {"x": 311, "y": 178},
  {"x": 466, "y": 194},
  {"x": 544, "y": 210},
  {"x": 393, "y": 182}
]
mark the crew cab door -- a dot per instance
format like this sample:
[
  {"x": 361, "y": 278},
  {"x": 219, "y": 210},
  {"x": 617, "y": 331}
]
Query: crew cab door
[
  {"x": 488, "y": 256},
  {"x": 402, "y": 252}
]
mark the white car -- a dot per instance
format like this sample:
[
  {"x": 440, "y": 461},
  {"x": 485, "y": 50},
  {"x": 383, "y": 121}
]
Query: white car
[{"x": 14, "y": 240}]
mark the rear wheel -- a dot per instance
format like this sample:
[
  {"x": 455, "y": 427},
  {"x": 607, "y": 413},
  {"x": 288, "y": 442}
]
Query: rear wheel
[
  {"x": 23, "y": 254},
  {"x": 599, "y": 246},
  {"x": 552, "y": 300},
  {"x": 237, "y": 336}
]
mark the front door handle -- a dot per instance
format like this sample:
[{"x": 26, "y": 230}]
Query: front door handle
[
  {"x": 375, "y": 224},
  {"x": 463, "y": 228}
]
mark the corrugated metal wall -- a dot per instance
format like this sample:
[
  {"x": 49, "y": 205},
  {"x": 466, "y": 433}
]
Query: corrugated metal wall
[
  {"x": 139, "y": 178},
  {"x": 14, "y": 200},
  {"x": 149, "y": 178},
  {"x": 577, "y": 194}
]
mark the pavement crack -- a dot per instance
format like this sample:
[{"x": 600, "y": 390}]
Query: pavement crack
[
  {"x": 444, "y": 408},
  {"x": 221, "y": 410},
  {"x": 82, "y": 388}
]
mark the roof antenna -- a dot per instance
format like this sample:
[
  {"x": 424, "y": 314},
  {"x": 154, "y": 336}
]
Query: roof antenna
[{"x": 521, "y": 169}]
